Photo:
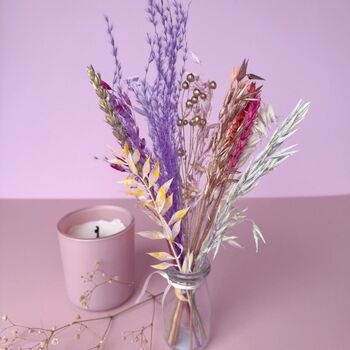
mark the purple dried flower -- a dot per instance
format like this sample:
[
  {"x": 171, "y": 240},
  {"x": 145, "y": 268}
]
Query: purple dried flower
[
  {"x": 118, "y": 69},
  {"x": 250, "y": 115},
  {"x": 158, "y": 99},
  {"x": 123, "y": 109},
  {"x": 104, "y": 85}
]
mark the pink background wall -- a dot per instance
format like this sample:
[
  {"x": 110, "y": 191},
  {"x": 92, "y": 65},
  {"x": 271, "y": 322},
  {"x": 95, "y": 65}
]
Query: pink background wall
[{"x": 51, "y": 128}]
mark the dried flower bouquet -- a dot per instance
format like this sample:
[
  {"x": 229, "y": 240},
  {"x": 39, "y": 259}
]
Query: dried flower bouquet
[{"x": 188, "y": 182}]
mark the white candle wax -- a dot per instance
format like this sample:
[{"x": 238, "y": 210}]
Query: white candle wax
[{"x": 88, "y": 229}]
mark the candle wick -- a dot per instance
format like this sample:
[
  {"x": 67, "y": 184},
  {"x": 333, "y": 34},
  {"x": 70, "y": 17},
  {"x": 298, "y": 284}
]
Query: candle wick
[{"x": 97, "y": 231}]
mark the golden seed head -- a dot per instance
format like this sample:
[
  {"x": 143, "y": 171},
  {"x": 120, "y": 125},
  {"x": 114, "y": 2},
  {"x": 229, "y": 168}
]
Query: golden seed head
[
  {"x": 196, "y": 92},
  {"x": 196, "y": 119},
  {"x": 194, "y": 99},
  {"x": 189, "y": 104},
  {"x": 203, "y": 96},
  {"x": 212, "y": 85},
  {"x": 185, "y": 85},
  {"x": 4, "y": 317},
  {"x": 203, "y": 122},
  {"x": 190, "y": 77},
  {"x": 181, "y": 152}
]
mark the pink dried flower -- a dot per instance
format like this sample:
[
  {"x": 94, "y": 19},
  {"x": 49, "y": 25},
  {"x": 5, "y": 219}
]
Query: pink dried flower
[
  {"x": 250, "y": 114},
  {"x": 105, "y": 86}
]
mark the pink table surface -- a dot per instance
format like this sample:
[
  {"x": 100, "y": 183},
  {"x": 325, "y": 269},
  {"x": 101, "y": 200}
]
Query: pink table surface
[{"x": 293, "y": 295}]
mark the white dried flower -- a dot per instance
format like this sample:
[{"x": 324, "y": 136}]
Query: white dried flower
[{"x": 54, "y": 341}]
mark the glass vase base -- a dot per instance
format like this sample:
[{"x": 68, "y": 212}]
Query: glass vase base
[{"x": 183, "y": 342}]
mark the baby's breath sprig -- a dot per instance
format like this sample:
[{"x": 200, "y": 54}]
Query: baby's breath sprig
[
  {"x": 16, "y": 336},
  {"x": 97, "y": 278}
]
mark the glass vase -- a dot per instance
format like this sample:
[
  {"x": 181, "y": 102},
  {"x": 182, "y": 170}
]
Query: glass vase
[{"x": 187, "y": 309}]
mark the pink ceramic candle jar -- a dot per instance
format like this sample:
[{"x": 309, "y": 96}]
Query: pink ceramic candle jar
[{"x": 99, "y": 272}]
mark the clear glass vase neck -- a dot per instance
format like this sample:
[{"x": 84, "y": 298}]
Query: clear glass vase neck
[{"x": 191, "y": 279}]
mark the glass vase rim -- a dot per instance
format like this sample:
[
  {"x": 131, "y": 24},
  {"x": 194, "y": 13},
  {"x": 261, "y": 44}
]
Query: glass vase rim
[{"x": 189, "y": 277}]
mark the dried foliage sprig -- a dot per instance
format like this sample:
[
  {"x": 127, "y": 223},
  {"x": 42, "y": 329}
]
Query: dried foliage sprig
[
  {"x": 271, "y": 156},
  {"x": 140, "y": 335},
  {"x": 16, "y": 336},
  {"x": 155, "y": 200}
]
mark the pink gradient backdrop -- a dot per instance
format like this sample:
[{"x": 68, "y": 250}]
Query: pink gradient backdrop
[{"x": 50, "y": 126}]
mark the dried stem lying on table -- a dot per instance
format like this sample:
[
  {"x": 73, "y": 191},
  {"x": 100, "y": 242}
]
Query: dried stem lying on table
[{"x": 23, "y": 337}]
